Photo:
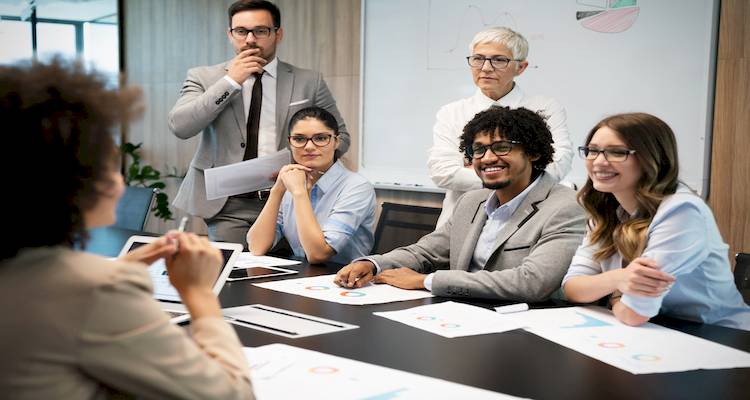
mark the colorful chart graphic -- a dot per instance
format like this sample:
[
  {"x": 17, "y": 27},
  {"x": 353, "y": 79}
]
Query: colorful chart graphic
[
  {"x": 611, "y": 345},
  {"x": 317, "y": 287},
  {"x": 353, "y": 294},
  {"x": 588, "y": 322},
  {"x": 393, "y": 394},
  {"x": 426, "y": 318},
  {"x": 646, "y": 357},
  {"x": 612, "y": 16},
  {"x": 323, "y": 370}
]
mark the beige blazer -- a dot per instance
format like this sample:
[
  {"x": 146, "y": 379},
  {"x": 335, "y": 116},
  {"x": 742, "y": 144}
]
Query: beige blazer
[
  {"x": 76, "y": 326},
  {"x": 532, "y": 252},
  {"x": 210, "y": 105}
]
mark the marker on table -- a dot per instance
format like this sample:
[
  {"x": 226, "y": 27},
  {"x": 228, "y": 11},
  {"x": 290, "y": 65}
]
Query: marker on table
[{"x": 512, "y": 308}]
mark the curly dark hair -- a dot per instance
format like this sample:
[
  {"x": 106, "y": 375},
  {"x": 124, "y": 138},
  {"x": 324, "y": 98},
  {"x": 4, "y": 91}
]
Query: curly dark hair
[
  {"x": 58, "y": 127},
  {"x": 520, "y": 124}
]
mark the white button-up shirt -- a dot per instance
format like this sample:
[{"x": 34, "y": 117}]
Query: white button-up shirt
[
  {"x": 446, "y": 163},
  {"x": 267, "y": 129}
]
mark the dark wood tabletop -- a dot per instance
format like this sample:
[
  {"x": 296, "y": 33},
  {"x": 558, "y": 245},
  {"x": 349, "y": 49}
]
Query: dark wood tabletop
[{"x": 518, "y": 363}]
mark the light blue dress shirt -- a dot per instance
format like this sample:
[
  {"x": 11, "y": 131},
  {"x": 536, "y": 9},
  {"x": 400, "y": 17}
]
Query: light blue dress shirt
[
  {"x": 684, "y": 240},
  {"x": 344, "y": 206},
  {"x": 497, "y": 216}
]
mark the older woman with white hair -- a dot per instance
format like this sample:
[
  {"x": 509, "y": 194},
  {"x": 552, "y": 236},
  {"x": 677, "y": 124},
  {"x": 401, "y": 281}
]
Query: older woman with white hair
[{"x": 496, "y": 57}]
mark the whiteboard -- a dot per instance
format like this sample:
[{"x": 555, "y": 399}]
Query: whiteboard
[{"x": 413, "y": 62}]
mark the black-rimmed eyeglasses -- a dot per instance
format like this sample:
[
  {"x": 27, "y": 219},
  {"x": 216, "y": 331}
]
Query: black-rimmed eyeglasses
[
  {"x": 259, "y": 32},
  {"x": 320, "y": 140},
  {"x": 499, "y": 148},
  {"x": 611, "y": 155},
  {"x": 477, "y": 61}
]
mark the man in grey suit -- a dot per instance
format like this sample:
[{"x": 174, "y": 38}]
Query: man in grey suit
[
  {"x": 242, "y": 107},
  {"x": 512, "y": 242}
]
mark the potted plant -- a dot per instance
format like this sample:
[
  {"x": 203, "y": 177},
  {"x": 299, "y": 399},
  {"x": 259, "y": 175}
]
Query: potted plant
[{"x": 144, "y": 175}]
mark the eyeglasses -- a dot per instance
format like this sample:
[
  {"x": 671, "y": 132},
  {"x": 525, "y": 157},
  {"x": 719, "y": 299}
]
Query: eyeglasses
[
  {"x": 477, "y": 61},
  {"x": 319, "y": 139},
  {"x": 499, "y": 148},
  {"x": 611, "y": 155},
  {"x": 259, "y": 32}
]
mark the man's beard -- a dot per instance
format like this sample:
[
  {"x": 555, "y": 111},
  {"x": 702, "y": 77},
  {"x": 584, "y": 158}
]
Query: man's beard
[{"x": 496, "y": 185}]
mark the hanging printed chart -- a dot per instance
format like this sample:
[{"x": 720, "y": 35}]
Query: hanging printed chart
[
  {"x": 322, "y": 376},
  {"x": 645, "y": 349},
  {"x": 322, "y": 288},
  {"x": 608, "y": 16}
]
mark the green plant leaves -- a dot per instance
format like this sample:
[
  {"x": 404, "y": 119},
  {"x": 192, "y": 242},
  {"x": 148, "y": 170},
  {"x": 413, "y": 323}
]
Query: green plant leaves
[{"x": 147, "y": 176}]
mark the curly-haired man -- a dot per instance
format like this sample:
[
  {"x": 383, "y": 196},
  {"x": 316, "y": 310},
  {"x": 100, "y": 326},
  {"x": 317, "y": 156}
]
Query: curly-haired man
[{"x": 512, "y": 240}]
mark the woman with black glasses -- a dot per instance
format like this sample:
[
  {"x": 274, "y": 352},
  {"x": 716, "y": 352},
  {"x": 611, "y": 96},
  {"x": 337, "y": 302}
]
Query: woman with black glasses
[
  {"x": 323, "y": 210},
  {"x": 653, "y": 245}
]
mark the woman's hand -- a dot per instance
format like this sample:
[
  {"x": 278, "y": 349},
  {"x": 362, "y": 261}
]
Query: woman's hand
[
  {"x": 642, "y": 278},
  {"x": 193, "y": 271},
  {"x": 294, "y": 177},
  {"x": 195, "y": 266},
  {"x": 148, "y": 253}
]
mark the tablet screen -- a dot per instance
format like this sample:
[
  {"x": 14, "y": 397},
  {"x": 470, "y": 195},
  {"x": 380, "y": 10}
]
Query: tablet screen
[{"x": 258, "y": 272}]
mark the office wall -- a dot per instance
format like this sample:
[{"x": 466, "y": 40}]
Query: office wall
[
  {"x": 162, "y": 39},
  {"x": 729, "y": 195}
]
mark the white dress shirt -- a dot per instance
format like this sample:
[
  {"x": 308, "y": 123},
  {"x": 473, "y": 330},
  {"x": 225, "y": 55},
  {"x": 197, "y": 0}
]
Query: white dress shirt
[
  {"x": 446, "y": 163},
  {"x": 267, "y": 130}
]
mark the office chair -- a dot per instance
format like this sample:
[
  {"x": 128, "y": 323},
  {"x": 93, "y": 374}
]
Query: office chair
[
  {"x": 401, "y": 225},
  {"x": 133, "y": 208},
  {"x": 742, "y": 275}
]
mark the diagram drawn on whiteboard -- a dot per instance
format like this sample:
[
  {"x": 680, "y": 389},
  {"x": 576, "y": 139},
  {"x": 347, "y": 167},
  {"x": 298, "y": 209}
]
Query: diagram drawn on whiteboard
[
  {"x": 611, "y": 16},
  {"x": 449, "y": 32}
]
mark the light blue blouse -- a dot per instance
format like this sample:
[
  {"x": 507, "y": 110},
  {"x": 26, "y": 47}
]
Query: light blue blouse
[
  {"x": 344, "y": 206},
  {"x": 684, "y": 240}
]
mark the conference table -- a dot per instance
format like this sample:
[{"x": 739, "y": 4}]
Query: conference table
[{"x": 517, "y": 363}]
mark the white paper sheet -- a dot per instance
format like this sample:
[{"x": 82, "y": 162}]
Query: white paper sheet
[
  {"x": 450, "y": 319},
  {"x": 282, "y": 322},
  {"x": 647, "y": 349},
  {"x": 245, "y": 176},
  {"x": 322, "y": 288},
  {"x": 247, "y": 260},
  {"x": 280, "y": 371}
]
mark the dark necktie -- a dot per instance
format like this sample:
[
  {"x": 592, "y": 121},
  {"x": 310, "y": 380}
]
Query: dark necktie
[{"x": 253, "y": 119}]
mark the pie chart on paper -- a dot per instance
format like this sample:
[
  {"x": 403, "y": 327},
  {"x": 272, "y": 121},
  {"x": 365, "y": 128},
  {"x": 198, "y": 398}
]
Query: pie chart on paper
[{"x": 611, "y": 16}]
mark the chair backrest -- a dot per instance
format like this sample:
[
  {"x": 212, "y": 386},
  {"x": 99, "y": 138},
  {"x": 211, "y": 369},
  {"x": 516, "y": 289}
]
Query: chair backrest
[
  {"x": 742, "y": 275},
  {"x": 401, "y": 225},
  {"x": 133, "y": 208}
]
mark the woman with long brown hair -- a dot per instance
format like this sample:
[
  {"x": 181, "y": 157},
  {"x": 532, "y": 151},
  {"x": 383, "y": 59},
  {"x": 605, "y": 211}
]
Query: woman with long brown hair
[{"x": 652, "y": 245}]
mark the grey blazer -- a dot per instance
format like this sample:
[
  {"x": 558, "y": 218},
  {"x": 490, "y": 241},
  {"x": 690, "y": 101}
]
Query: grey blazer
[
  {"x": 211, "y": 105},
  {"x": 532, "y": 252}
]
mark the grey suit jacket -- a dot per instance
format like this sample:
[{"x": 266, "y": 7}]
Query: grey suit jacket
[
  {"x": 211, "y": 105},
  {"x": 532, "y": 252}
]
